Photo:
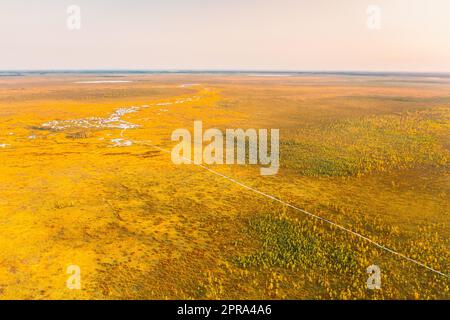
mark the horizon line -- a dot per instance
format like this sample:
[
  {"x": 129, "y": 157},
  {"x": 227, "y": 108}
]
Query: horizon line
[{"x": 179, "y": 70}]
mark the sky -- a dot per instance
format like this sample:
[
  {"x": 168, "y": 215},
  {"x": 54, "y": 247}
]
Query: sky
[{"x": 298, "y": 35}]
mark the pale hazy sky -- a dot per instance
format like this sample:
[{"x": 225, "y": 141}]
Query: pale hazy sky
[{"x": 226, "y": 34}]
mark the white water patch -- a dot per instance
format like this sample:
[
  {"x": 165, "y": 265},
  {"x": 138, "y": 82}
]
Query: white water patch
[
  {"x": 177, "y": 101},
  {"x": 119, "y": 142},
  {"x": 4, "y": 145},
  {"x": 114, "y": 121},
  {"x": 268, "y": 75},
  {"x": 164, "y": 103},
  {"x": 187, "y": 85},
  {"x": 104, "y": 81}
]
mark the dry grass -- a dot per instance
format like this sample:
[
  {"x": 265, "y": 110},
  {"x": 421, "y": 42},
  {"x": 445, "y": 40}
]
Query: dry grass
[{"x": 369, "y": 155}]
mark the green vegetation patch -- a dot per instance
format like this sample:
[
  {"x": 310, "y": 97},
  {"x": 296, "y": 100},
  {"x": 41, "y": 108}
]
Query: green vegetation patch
[
  {"x": 294, "y": 245},
  {"x": 375, "y": 144}
]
